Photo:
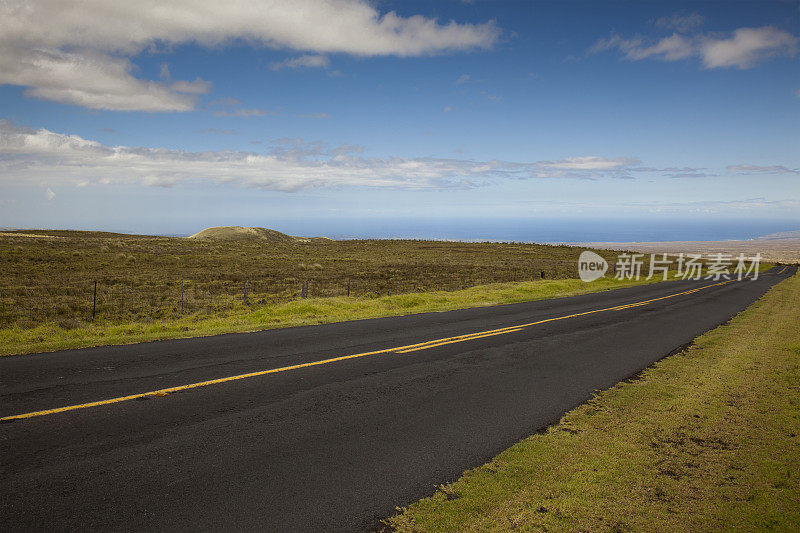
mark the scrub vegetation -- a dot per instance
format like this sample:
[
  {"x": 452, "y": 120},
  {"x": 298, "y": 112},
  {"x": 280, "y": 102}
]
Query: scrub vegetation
[
  {"x": 237, "y": 279},
  {"x": 706, "y": 440}
]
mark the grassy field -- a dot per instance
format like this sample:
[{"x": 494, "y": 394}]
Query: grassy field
[
  {"x": 49, "y": 276},
  {"x": 151, "y": 288},
  {"x": 707, "y": 440}
]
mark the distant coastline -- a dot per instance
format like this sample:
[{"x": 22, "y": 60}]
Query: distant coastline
[{"x": 568, "y": 232}]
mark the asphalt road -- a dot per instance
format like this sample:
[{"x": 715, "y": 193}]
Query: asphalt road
[{"x": 331, "y": 446}]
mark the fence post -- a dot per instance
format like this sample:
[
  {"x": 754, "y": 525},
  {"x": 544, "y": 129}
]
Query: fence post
[
  {"x": 94, "y": 301},
  {"x": 304, "y": 290},
  {"x": 348, "y": 286},
  {"x": 393, "y": 291},
  {"x": 246, "y": 286}
]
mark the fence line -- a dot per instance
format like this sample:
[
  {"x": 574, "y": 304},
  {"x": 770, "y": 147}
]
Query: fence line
[{"x": 68, "y": 300}]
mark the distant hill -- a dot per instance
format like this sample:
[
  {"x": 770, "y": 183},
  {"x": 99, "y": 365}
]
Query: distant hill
[
  {"x": 74, "y": 234},
  {"x": 781, "y": 236},
  {"x": 240, "y": 233},
  {"x": 775, "y": 247}
]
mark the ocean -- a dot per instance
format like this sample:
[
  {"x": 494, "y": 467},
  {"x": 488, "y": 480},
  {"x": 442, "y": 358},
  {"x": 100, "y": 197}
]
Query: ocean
[{"x": 538, "y": 230}]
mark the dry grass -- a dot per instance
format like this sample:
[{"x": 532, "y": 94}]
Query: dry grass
[{"x": 140, "y": 277}]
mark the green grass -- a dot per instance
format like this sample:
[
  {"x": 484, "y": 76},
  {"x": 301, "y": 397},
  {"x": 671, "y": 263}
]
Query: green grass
[
  {"x": 51, "y": 336},
  {"x": 707, "y": 440}
]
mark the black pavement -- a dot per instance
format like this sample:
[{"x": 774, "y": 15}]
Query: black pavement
[{"x": 334, "y": 446}]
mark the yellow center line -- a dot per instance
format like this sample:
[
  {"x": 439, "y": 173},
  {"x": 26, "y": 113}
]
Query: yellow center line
[
  {"x": 398, "y": 349},
  {"x": 467, "y": 337},
  {"x": 477, "y": 336}
]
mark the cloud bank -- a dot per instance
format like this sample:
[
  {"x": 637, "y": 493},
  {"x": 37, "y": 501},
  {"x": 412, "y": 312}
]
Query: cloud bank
[
  {"x": 742, "y": 49},
  {"x": 43, "y": 156},
  {"x": 756, "y": 169},
  {"x": 79, "y": 52},
  {"x": 46, "y": 157}
]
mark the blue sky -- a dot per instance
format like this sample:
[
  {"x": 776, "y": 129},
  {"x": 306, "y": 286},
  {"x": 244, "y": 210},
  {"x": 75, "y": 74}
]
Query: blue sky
[{"x": 386, "y": 119}]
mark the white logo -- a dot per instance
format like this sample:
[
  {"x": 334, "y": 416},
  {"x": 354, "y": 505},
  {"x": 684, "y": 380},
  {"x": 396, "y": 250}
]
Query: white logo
[{"x": 591, "y": 266}]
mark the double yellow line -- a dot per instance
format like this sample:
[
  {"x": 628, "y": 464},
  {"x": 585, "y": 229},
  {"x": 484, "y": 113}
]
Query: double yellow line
[{"x": 399, "y": 350}]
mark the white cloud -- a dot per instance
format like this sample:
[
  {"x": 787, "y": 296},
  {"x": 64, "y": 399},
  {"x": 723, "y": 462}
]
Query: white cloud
[
  {"x": 669, "y": 49},
  {"x": 756, "y": 169},
  {"x": 43, "y": 156},
  {"x": 197, "y": 86},
  {"x": 49, "y": 194},
  {"x": 464, "y": 78},
  {"x": 88, "y": 79},
  {"x": 747, "y": 47},
  {"x": 306, "y": 61},
  {"x": 591, "y": 163},
  {"x": 797, "y": 93},
  {"x": 447, "y": 109},
  {"x": 743, "y": 49},
  {"x": 691, "y": 175},
  {"x": 315, "y": 115},
  {"x": 79, "y": 52}
]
